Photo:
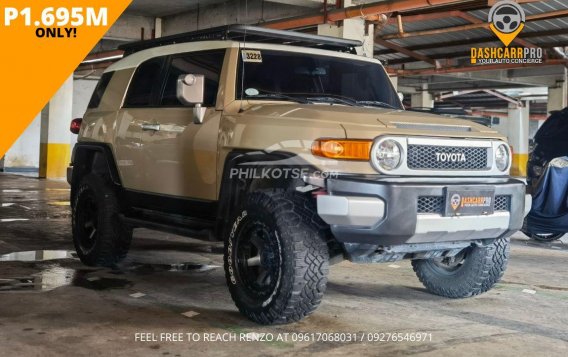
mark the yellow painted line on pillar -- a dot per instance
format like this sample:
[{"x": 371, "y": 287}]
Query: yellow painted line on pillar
[
  {"x": 519, "y": 164},
  {"x": 54, "y": 159}
]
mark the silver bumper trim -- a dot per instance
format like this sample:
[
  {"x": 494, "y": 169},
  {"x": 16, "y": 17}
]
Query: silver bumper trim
[
  {"x": 429, "y": 223},
  {"x": 350, "y": 211}
]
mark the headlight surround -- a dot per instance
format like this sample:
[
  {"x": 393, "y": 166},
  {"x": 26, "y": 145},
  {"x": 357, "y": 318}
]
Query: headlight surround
[
  {"x": 502, "y": 157},
  {"x": 387, "y": 154}
]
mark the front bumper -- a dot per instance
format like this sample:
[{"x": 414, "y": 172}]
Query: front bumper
[{"x": 384, "y": 210}]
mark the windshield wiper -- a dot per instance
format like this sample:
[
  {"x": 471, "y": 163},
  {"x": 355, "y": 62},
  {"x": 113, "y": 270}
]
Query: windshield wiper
[
  {"x": 376, "y": 103},
  {"x": 336, "y": 100},
  {"x": 280, "y": 96}
]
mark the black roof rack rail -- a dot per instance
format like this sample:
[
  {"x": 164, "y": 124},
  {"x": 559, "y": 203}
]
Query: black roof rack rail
[{"x": 252, "y": 33}]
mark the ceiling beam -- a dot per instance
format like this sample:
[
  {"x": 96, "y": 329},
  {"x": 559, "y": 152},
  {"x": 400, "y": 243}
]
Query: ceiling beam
[
  {"x": 355, "y": 11},
  {"x": 477, "y": 68},
  {"x": 543, "y": 16},
  {"x": 303, "y": 3},
  {"x": 415, "y": 55},
  {"x": 427, "y": 46}
]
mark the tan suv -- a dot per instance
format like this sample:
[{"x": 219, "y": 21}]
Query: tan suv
[{"x": 296, "y": 153}]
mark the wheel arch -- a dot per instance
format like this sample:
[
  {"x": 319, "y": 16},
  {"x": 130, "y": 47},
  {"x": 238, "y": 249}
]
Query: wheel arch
[
  {"x": 94, "y": 158},
  {"x": 236, "y": 184}
]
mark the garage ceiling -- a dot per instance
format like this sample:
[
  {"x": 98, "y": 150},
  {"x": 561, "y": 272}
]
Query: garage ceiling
[{"x": 169, "y": 7}]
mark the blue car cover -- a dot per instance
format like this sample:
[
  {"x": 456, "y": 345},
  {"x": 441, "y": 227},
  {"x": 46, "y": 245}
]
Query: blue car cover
[{"x": 549, "y": 212}]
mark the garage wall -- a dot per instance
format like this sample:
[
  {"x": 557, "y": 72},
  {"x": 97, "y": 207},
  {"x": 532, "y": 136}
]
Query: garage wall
[
  {"x": 24, "y": 154},
  {"x": 25, "y": 151},
  {"x": 226, "y": 14}
]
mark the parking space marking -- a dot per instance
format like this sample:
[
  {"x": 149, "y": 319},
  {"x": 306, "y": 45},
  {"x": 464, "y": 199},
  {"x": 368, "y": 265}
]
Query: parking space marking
[{"x": 13, "y": 220}]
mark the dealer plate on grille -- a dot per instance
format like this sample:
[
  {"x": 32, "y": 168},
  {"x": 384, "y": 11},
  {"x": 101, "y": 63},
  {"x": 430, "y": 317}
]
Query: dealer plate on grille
[{"x": 469, "y": 202}]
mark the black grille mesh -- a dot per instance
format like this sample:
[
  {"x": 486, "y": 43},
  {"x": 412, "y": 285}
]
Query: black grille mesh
[
  {"x": 436, "y": 204},
  {"x": 431, "y": 204},
  {"x": 423, "y": 157},
  {"x": 502, "y": 203}
]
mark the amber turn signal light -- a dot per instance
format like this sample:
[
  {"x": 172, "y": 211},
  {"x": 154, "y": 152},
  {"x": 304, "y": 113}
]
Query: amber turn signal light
[{"x": 342, "y": 149}]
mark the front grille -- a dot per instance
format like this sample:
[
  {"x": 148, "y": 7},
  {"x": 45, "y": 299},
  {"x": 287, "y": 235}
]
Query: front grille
[
  {"x": 424, "y": 157},
  {"x": 502, "y": 203},
  {"x": 437, "y": 204},
  {"x": 431, "y": 204}
]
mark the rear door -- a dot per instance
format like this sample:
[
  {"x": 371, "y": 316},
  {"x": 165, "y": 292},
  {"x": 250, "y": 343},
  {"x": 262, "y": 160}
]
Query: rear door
[{"x": 136, "y": 112}]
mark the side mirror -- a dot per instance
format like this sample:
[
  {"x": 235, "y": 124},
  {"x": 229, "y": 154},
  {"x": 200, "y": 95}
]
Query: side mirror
[{"x": 191, "y": 91}]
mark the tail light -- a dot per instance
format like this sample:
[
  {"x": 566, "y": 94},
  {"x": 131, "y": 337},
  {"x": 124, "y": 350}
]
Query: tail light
[{"x": 76, "y": 125}]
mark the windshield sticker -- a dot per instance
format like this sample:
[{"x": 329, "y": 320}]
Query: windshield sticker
[
  {"x": 251, "y": 92},
  {"x": 252, "y": 56}
]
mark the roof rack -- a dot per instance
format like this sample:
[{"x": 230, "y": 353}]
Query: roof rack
[{"x": 251, "y": 34}]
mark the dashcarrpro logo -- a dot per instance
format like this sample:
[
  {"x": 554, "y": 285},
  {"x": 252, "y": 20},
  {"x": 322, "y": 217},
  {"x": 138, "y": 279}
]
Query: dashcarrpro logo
[{"x": 507, "y": 20}]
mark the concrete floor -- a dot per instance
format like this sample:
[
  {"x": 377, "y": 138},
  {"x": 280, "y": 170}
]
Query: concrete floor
[{"x": 51, "y": 305}]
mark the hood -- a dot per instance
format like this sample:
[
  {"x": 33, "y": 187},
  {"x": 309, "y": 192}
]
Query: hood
[{"x": 368, "y": 123}]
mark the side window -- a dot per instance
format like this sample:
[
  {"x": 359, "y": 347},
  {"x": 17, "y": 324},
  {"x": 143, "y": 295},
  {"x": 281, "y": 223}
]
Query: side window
[
  {"x": 100, "y": 90},
  {"x": 145, "y": 83},
  {"x": 207, "y": 63}
]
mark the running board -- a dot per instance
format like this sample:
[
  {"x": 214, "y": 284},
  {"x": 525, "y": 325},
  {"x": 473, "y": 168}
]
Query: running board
[{"x": 203, "y": 233}]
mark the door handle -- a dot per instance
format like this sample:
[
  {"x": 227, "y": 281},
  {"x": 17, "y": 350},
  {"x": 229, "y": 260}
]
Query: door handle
[{"x": 151, "y": 127}]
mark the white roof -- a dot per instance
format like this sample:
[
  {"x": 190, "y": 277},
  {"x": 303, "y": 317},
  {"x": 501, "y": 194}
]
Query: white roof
[{"x": 135, "y": 59}]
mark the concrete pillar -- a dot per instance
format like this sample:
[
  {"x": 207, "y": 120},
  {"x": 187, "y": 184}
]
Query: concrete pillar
[
  {"x": 558, "y": 94},
  {"x": 518, "y": 134},
  {"x": 158, "y": 27},
  {"x": 354, "y": 29},
  {"x": 55, "y": 148},
  {"x": 394, "y": 80},
  {"x": 422, "y": 99}
]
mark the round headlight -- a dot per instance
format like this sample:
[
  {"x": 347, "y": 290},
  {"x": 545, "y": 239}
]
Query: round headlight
[
  {"x": 388, "y": 154},
  {"x": 502, "y": 157}
]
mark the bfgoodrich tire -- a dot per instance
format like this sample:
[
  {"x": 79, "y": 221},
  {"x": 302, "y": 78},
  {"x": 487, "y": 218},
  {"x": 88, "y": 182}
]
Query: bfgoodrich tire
[
  {"x": 475, "y": 270},
  {"x": 99, "y": 237},
  {"x": 276, "y": 257}
]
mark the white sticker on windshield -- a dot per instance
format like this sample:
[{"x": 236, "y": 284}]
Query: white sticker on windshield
[{"x": 252, "y": 56}]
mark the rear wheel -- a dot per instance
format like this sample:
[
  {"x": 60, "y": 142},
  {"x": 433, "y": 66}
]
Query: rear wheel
[
  {"x": 276, "y": 258},
  {"x": 99, "y": 236},
  {"x": 471, "y": 272},
  {"x": 541, "y": 237}
]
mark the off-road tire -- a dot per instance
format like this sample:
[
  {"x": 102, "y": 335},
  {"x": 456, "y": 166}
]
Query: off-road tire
[
  {"x": 480, "y": 271},
  {"x": 293, "y": 227},
  {"x": 111, "y": 240}
]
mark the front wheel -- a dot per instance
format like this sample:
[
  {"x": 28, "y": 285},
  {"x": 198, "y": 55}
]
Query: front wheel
[
  {"x": 276, "y": 257},
  {"x": 473, "y": 271}
]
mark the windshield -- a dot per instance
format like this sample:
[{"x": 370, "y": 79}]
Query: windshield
[{"x": 281, "y": 75}]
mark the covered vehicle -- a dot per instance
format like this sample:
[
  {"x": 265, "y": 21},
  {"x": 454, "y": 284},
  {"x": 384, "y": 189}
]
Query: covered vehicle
[
  {"x": 550, "y": 142},
  {"x": 548, "y": 218},
  {"x": 548, "y": 180}
]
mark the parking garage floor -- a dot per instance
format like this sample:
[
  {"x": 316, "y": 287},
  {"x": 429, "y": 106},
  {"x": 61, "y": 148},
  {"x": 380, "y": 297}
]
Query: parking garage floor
[{"x": 52, "y": 305}]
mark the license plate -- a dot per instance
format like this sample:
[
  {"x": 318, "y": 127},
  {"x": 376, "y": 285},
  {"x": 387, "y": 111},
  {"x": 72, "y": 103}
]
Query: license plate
[{"x": 469, "y": 202}]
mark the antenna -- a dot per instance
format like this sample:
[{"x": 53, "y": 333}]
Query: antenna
[{"x": 243, "y": 62}]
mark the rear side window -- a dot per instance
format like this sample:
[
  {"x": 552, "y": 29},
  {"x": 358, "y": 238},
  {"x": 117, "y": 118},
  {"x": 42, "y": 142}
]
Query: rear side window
[
  {"x": 100, "y": 90},
  {"x": 145, "y": 84},
  {"x": 208, "y": 63}
]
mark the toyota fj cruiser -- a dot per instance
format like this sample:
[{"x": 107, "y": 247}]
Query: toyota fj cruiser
[{"x": 296, "y": 153}]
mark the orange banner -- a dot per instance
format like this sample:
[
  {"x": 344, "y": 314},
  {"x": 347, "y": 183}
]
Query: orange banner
[{"x": 42, "y": 42}]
